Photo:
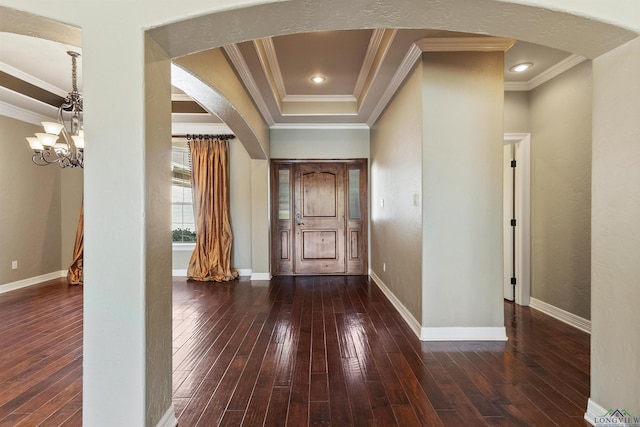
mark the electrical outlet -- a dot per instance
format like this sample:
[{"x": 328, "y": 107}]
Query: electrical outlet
[
  {"x": 14, "y": 265},
  {"x": 384, "y": 266},
  {"x": 382, "y": 203}
]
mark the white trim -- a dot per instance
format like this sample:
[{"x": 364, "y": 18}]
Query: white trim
[
  {"x": 548, "y": 74},
  {"x": 517, "y": 86},
  {"x": 32, "y": 281},
  {"x": 19, "y": 74},
  {"x": 260, "y": 276},
  {"x": 522, "y": 143},
  {"x": 243, "y": 272},
  {"x": 454, "y": 44},
  {"x": 271, "y": 66},
  {"x": 594, "y": 410},
  {"x": 465, "y": 44},
  {"x": 481, "y": 333},
  {"x": 411, "y": 57},
  {"x": 498, "y": 333},
  {"x": 411, "y": 321},
  {"x": 564, "y": 316},
  {"x": 243, "y": 70},
  {"x": 319, "y": 98},
  {"x": 179, "y": 273},
  {"x": 168, "y": 419},
  {"x": 183, "y": 247},
  {"x": 21, "y": 114},
  {"x": 181, "y": 97},
  {"x": 372, "y": 50},
  {"x": 341, "y": 126}
]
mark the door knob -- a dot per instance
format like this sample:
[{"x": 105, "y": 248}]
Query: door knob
[{"x": 298, "y": 219}]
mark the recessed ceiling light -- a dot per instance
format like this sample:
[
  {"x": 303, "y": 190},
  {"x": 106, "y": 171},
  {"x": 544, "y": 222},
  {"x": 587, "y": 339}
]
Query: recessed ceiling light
[
  {"x": 318, "y": 79},
  {"x": 519, "y": 68}
]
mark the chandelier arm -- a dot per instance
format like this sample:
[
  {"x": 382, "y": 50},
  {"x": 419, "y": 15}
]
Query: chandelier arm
[{"x": 46, "y": 157}]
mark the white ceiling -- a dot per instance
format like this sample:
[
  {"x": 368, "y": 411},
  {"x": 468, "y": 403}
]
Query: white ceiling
[{"x": 359, "y": 66}]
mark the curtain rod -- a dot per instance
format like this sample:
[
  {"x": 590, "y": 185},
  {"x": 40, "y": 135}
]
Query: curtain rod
[{"x": 204, "y": 136}]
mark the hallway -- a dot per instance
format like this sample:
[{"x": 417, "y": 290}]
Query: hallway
[{"x": 301, "y": 351}]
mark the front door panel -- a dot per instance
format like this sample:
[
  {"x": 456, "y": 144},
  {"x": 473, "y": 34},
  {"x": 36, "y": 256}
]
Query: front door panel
[{"x": 319, "y": 218}]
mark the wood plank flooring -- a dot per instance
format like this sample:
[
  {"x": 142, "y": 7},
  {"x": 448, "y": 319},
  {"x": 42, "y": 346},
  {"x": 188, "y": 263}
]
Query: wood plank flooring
[{"x": 302, "y": 351}]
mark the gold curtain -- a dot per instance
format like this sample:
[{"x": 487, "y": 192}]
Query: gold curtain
[
  {"x": 75, "y": 274},
  {"x": 211, "y": 258}
]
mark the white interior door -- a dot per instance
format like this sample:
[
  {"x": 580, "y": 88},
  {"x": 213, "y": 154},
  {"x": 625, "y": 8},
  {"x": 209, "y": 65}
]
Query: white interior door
[
  {"x": 517, "y": 146},
  {"x": 509, "y": 250}
]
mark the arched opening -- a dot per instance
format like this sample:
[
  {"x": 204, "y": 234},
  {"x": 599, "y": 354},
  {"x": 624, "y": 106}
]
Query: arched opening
[{"x": 572, "y": 33}]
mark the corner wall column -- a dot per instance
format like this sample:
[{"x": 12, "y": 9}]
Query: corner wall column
[
  {"x": 615, "y": 233},
  {"x": 462, "y": 196},
  {"x": 127, "y": 293}
]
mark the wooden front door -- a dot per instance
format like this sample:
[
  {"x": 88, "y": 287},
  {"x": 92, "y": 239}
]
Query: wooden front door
[{"x": 319, "y": 217}]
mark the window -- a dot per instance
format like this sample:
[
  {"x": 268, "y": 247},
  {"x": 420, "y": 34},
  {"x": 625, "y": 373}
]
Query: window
[{"x": 182, "y": 220}]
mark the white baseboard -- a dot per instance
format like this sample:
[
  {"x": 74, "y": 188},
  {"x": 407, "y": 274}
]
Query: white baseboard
[
  {"x": 404, "y": 312},
  {"x": 562, "y": 315},
  {"x": 244, "y": 272},
  {"x": 486, "y": 333},
  {"x": 169, "y": 418},
  {"x": 440, "y": 334},
  {"x": 593, "y": 410},
  {"x": 598, "y": 415},
  {"x": 32, "y": 281},
  {"x": 183, "y": 273},
  {"x": 260, "y": 276}
]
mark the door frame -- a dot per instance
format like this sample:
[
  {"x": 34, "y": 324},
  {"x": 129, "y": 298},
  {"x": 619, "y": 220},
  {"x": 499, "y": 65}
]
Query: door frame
[
  {"x": 277, "y": 226},
  {"x": 522, "y": 144}
]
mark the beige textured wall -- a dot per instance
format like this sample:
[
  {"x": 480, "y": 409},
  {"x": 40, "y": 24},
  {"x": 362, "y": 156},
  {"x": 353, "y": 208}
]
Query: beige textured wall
[
  {"x": 396, "y": 228},
  {"x": 462, "y": 259},
  {"x": 615, "y": 273},
  {"x": 30, "y": 213},
  {"x": 240, "y": 204},
  {"x": 319, "y": 143},
  {"x": 259, "y": 217},
  {"x": 157, "y": 247},
  {"x": 516, "y": 112},
  {"x": 561, "y": 191}
]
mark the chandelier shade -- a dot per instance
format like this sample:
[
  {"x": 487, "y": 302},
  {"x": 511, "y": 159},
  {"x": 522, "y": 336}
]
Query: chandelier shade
[{"x": 48, "y": 146}]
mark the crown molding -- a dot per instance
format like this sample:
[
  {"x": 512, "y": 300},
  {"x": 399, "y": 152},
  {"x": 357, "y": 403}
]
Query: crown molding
[
  {"x": 453, "y": 44},
  {"x": 517, "y": 86},
  {"x": 372, "y": 51},
  {"x": 465, "y": 44},
  {"x": 340, "y": 126},
  {"x": 411, "y": 57},
  {"x": 21, "y": 114},
  {"x": 270, "y": 66},
  {"x": 388, "y": 38},
  {"x": 319, "y": 98},
  {"x": 19, "y": 74},
  {"x": 554, "y": 71},
  {"x": 242, "y": 69},
  {"x": 181, "y": 97},
  {"x": 548, "y": 74}
]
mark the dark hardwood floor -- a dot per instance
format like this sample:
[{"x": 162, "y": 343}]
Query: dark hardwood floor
[{"x": 302, "y": 351}]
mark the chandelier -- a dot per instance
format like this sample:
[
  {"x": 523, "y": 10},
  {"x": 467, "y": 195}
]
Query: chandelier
[{"x": 67, "y": 153}]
